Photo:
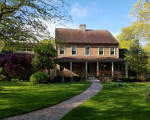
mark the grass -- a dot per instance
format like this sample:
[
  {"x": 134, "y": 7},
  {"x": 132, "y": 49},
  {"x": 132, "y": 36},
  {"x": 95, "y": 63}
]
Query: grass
[
  {"x": 22, "y": 97},
  {"x": 114, "y": 103}
]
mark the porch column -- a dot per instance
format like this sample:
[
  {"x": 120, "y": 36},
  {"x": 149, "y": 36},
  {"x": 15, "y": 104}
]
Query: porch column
[
  {"x": 70, "y": 69},
  {"x": 55, "y": 69},
  {"x": 86, "y": 70},
  {"x": 97, "y": 68},
  {"x": 126, "y": 68},
  {"x": 112, "y": 69}
]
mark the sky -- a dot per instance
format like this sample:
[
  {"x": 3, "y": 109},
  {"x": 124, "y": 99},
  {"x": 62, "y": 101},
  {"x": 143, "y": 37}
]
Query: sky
[{"x": 109, "y": 15}]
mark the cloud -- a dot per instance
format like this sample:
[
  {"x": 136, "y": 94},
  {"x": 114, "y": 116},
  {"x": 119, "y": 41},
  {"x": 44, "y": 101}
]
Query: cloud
[
  {"x": 116, "y": 33},
  {"x": 78, "y": 11},
  {"x": 51, "y": 27},
  {"x": 130, "y": 18},
  {"x": 81, "y": 12}
]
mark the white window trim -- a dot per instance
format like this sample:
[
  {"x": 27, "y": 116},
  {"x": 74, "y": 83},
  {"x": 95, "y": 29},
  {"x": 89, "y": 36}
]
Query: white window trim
[
  {"x": 85, "y": 51},
  {"x": 103, "y": 50},
  {"x": 114, "y": 50},
  {"x": 76, "y": 51},
  {"x": 64, "y": 50}
]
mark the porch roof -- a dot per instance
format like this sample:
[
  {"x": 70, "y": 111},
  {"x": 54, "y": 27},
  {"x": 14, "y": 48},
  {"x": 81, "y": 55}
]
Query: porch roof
[{"x": 89, "y": 59}]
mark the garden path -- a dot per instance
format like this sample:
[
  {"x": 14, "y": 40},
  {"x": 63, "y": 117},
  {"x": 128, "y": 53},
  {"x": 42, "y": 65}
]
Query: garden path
[{"x": 56, "y": 112}]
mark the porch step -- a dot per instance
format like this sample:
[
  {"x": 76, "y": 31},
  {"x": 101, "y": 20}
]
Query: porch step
[{"x": 92, "y": 78}]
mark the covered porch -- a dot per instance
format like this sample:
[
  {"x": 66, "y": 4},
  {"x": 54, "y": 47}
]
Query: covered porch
[{"x": 109, "y": 67}]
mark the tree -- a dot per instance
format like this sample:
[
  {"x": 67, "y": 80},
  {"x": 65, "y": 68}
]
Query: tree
[
  {"x": 140, "y": 28},
  {"x": 25, "y": 20},
  {"x": 45, "y": 56},
  {"x": 141, "y": 10},
  {"x": 147, "y": 48},
  {"x": 126, "y": 37},
  {"x": 17, "y": 65},
  {"x": 2, "y": 44},
  {"x": 137, "y": 58}
]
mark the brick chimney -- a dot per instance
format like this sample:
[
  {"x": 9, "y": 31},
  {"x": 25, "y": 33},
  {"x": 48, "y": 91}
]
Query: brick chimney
[{"x": 82, "y": 27}]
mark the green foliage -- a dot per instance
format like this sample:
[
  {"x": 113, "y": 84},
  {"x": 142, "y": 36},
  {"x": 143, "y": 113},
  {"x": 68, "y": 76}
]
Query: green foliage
[
  {"x": 103, "y": 76},
  {"x": 14, "y": 80},
  {"x": 140, "y": 28},
  {"x": 67, "y": 79},
  {"x": 147, "y": 48},
  {"x": 148, "y": 95},
  {"x": 141, "y": 10},
  {"x": 1, "y": 70},
  {"x": 57, "y": 79},
  {"x": 27, "y": 20},
  {"x": 2, "y": 44},
  {"x": 126, "y": 37},
  {"x": 77, "y": 78},
  {"x": 137, "y": 58},
  {"x": 38, "y": 77},
  {"x": 45, "y": 56}
]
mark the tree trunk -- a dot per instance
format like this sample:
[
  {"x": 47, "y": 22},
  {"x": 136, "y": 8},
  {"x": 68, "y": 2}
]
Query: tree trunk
[{"x": 1, "y": 17}]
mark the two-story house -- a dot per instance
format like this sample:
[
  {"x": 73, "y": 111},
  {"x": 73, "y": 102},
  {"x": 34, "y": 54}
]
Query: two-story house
[{"x": 88, "y": 52}]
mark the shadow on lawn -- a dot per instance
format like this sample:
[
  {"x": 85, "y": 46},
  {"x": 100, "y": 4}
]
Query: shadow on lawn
[{"x": 114, "y": 103}]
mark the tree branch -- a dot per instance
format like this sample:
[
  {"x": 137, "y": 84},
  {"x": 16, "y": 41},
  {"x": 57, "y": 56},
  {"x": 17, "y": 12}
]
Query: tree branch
[
  {"x": 147, "y": 1},
  {"x": 19, "y": 5}
]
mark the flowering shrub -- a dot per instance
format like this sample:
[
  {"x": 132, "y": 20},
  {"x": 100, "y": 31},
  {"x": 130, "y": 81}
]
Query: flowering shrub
[{"x": 17, "y": 65}]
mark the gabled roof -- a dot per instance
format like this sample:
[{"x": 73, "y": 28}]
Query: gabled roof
[{"x": 84, "y": 37}]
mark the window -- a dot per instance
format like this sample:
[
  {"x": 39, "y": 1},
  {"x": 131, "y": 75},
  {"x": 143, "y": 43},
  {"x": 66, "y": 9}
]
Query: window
[
  {"x": 61, "y": 50},
  {"x": 87, "y": 50},
  {"x": 74, "y": 50},
  {"x": 101, "y": 50},
  {"x": 112, "y": 50}
]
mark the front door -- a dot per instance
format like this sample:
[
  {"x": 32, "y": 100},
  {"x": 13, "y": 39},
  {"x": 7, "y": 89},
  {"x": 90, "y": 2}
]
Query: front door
[{"x": 90, "y": 69}]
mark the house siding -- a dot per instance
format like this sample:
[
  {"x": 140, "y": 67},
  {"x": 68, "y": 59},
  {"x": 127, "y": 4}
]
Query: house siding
[{"x": 93, "y": 53}]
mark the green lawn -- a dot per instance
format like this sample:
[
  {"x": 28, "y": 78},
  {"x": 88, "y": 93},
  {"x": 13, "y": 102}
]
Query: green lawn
[
  {"x": 21, "y": 97},
  {"x": 114, "y": 103}
]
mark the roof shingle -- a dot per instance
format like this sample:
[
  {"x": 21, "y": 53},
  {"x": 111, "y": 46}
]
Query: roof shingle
[{"x": 84, "y": 37}]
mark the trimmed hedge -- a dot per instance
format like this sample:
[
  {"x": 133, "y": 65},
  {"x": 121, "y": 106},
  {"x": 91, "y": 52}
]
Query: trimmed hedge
[
  {"x": 48, "y": 80},
  {"x": 77, "y": 78},
  {"x": 56, "y": 79},
  {"x": 38, "y": 78},
  {"x": 124, "y": 79},
  {"x": 14, "y": 80},
  {"x": 67, "y": 79}
]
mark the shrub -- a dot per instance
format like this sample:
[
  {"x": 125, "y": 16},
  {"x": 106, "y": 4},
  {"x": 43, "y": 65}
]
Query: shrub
[
  {"x": 14, "y": 80},
  {"x": 114, "y": 79},
  {"x": 57, "y": 79},
  {"x": 67, "y": 79},
  {"x": 77, "y": 78},
  {"x": 1, "y": 69},
  {"x": 38, "y": 78},
  {"x": 83, "y": 77},
  {"x": 148, "y": 95},
  {"x": 124, "y": 79},
  {"x": 48, "y": 80},
  {"x": 17, "y": 65}
]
